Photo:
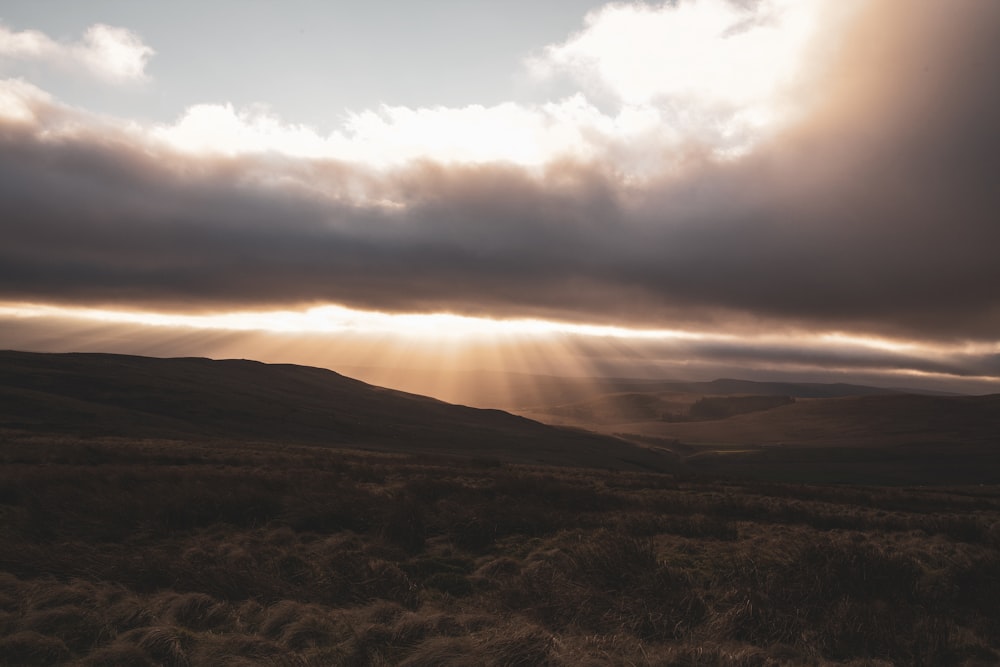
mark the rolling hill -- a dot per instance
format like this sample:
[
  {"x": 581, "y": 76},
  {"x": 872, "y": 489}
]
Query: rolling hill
[
  {"x": 524, "y": 391},
  {"x": 873, "y": 437},
  {"x": 899, "y": 419},
  {"x": 93, "y": 395},
  {"x": 657, "y": 407},
  {"x": 782, "y": 431}
]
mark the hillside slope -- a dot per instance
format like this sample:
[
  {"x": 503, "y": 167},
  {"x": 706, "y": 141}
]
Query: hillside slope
[
  {"x": 628, "y": 408},
  {"x": 875, "y": 438},
  {"x": 194, "y": 398},
  {"x": 522, "y": 392},
  {"x": 900, "y": 419}
]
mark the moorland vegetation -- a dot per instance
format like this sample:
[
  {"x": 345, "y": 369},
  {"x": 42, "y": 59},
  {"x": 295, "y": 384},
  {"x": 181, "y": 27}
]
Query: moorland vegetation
[{"x": 125, "y": 551}]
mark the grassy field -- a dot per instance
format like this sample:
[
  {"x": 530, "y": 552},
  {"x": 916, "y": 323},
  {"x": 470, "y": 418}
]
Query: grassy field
[{"x": 165, "y": 552}]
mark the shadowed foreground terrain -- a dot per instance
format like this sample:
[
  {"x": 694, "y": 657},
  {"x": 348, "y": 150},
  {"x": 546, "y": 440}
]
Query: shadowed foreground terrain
[
  {"x": 151, "y": 513},
  {"x": 127, "y": 552}
]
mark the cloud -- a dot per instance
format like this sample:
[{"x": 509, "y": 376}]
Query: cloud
[
  {"x": 635, "y": 141},
  {"x": 112, "y": 54},
  {"x": 717, "y": 71},
  {"x": 394, "y": 136},
  {"x": 874, "y": 213},
  {"x": 641, "y": 53},
  {"x": 21, "y": 102},
  {"x": 710, "y": 76}
]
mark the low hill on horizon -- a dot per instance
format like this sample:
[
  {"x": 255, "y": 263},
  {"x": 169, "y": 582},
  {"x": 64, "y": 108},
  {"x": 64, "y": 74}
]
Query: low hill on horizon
[
  {"x": 888, "y": 437},
  {"x": 94, "y": 395},
  {"x": 633, "y": 407},
  {"x": 526, "y": 392},
  {"x": 882, "y": 420}
]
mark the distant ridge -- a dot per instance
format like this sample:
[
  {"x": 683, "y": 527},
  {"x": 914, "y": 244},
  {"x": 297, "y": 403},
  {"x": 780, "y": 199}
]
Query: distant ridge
[
  {"x": 849, "y": 421},
  {"x": 793, "y": 389},
  {"x": 519, "y": 391},
  {"x": 89, "y": 395}
]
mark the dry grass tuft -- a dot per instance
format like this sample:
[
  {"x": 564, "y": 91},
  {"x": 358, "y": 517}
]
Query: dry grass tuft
[
  {"x": 31, "y": 648},
  {"x": 196, "y": 611},
  {"x": 441, "y": 651},
  {"x": 119, "y": 653},
  {"x": 520, "y": 645},
  {"x": 80, "y": 629},
  {"x": 314, "y": 630},
  {"x": 164, "y": 644},
  {"x": 233, "y": 650}
]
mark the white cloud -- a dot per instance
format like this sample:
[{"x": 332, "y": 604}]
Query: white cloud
[
  {"x": 715, "y": 50},
  {"x": 716, "y": 69},
  {"x": 110, "y": 53},
  {"x": 392, "y": 136},
  {"x": 710, "y": 74},
  {"x": 20, "y": 101},
  {"x": 702, "y": 74},
  {"x": 26, "y": 45},
  {"x": 114, "y": 53},
  {"x": 221, "y": 129},
  {"x": 508, "y": 132},
  {"x": 396, "y": 135}
]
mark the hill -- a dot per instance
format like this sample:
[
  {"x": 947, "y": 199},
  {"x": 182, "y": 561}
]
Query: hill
[
  {"x": 526, "y": 391},
  {"x": 192, "y": 398},
  {"x": 632, "y": 407},
  {"x": 778, "y": 431},
  {"x": 877, "y": 437},
  {"x": 898, "y": 419}
]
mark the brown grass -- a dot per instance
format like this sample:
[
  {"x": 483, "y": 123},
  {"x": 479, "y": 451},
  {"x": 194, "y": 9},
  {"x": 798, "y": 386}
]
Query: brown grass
[{"x": 166, "y": 553}]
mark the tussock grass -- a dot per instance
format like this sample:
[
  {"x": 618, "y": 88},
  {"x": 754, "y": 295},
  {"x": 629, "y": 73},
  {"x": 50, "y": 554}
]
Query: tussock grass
[
  {"x": 195, "y": 611},
  {"x": 77, "y": 627},
  {"x": 153, "y": 553},
  {"x": 118, "y": 654},
  {"x": 32, "y": 648}
]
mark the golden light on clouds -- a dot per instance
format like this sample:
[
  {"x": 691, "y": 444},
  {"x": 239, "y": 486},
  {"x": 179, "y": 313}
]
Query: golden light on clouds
[
  {"x": 436, "y": 327},
  {"x": 440, "y": 354},
  {"x": 479, "y": 333}
]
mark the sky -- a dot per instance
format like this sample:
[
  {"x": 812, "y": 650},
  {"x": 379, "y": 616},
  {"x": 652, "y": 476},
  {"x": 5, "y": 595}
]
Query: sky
[{"x": 765, "y": 189}]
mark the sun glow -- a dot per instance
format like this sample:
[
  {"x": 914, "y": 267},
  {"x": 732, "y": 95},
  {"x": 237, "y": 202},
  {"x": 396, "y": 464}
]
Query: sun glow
[
  {"x": 445, "y": 354},
  {"x": 471, "y": 333},
  {"x": 870, "y": 342},
  {"x": 338, "y": 319}
]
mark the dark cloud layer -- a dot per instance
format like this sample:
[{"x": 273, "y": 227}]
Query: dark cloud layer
[{"x": 878, "y": 213}]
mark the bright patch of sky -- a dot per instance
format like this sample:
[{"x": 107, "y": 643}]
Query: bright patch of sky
[
  {"x": 309, "y": 61},
  {"x": 388, "y": 83}
]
